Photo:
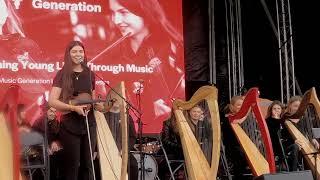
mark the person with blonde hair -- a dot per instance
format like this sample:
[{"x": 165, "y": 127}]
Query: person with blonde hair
[
  {"x": 234, "y": 153},
  {"x": 292, "y": 107},
  {"x": 234, "y": 106}
]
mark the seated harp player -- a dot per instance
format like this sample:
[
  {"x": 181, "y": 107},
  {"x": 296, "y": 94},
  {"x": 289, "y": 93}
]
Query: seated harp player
[
  {"x": 251, "y": 131},
  {"x": 300, "y": 118},
  {"x": 198, "y": 125},
  {"x": 112, "y": 137}
]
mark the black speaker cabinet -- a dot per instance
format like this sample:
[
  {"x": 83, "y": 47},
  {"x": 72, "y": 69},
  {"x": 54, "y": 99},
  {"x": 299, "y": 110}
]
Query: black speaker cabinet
[{"x": 296, "y": 175}]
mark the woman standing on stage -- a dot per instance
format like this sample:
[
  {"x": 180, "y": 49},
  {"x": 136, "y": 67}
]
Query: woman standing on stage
[{"x": 72, "y": 80}]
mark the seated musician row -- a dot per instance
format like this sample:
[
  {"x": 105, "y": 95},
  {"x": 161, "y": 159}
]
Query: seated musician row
[{"x": 286, "y": 147}]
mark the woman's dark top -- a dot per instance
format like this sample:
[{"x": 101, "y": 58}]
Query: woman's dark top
[
  {"x": 73, "y": 122},
  {"x": 274, "y": 126}
]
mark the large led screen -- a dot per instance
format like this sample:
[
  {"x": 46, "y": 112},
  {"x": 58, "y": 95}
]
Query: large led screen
[{"x": 135, "y": 41}]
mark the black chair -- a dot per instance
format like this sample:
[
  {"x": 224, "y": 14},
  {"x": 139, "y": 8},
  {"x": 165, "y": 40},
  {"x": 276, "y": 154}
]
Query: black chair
[
  {"x": 283, "y": 159},
  {"x": 34, "y": 155},
  {"x": 179, "y": 163}
]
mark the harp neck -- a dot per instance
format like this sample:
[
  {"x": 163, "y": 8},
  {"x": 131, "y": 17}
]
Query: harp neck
[{"x": 250, "y": 103}]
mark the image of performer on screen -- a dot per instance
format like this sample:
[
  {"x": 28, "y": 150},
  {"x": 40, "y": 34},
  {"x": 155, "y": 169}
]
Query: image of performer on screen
[
  {"x": 13, "y": 41},
  {"x": 75, "y": 81},
  {"x": 17, "y": 51},
  {"x": 152, "y": 53}
]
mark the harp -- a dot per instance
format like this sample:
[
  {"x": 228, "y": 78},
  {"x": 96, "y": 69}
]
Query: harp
[
  {"x": 6, "y": 152},
  {"x": 9, "y": 138},
  {"x": 308, "y": 113},
  {"x": 112, "y": 147},
  {"x": 253, "y": 135},
  {"x": 201, "y": 158}
]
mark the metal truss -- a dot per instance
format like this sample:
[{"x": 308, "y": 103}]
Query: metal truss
[
  {"x": 285, "y": 45},
  {"x": 234, "y": 47}
]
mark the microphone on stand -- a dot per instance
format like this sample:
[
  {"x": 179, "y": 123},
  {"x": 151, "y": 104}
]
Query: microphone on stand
[{"x": 81, "y": 61}]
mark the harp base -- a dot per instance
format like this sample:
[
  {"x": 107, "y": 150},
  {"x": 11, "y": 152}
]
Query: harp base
[{"x": 297, "y": 175}]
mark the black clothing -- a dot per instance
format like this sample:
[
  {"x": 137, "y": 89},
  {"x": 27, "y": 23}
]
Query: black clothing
[
  {"x": 73, "y": 132},
  {"x": 172, "y": 143},
  {"x": 76, "y": 154},
  {"x": 80, "y": 81},
  {"x": 236, "y": 158},
  {"x": 52, "y": 131},
  {"x": 274, "y": 126},
  {"x": 171, "y": 140},
  {"x": 281, "y": 137},
  {"x": 72, "y": 121}
]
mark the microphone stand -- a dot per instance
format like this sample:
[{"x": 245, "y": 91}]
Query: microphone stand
[{"x": 140, "y": 127}]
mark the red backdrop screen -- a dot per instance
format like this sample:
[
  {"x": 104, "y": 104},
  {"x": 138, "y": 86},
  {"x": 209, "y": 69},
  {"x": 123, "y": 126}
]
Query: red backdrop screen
[{"x": 34, "y": 34}]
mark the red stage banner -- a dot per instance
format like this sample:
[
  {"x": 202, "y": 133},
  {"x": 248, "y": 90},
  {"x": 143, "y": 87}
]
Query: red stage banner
[{"x": 148, "y": 57}]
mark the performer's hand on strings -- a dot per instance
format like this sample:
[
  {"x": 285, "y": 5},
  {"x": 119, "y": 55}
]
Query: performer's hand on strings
[
  {"x": 315, "y": 143},
  {"x": 299, "y": 143},
  {"x": 99, "y": 107}
]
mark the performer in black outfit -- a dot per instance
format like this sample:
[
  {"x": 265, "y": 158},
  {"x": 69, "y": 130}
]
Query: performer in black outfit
[
  {"x": 72, "y": 81},
  {"x": 275, "y": 125}
]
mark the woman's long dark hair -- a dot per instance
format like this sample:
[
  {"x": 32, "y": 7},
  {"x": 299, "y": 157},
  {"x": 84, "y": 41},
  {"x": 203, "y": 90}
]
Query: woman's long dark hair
[
  {"x": 276, "y": 102},
  {"x": 67, "y": 71},
  {"x": 154, "y": 17}
]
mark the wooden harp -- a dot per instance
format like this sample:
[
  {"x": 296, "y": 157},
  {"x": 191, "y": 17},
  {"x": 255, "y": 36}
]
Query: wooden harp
[
  {"x": 308, "y": 113},
  {"x": 113, "y": 144},
  {"x": 202, "y": 159},
  {"x": 9, "y": 137},
  {"x": 253, "y": 135},
  {"x": 6, "y": 151}
]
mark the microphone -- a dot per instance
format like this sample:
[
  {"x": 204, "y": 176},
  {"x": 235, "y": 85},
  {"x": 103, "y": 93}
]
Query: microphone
[{"x": 81, "y": 61}]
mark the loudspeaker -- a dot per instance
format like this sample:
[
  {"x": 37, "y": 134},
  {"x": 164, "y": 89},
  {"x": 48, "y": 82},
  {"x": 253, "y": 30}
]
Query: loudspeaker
[{"x": 296, "y": 175}]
